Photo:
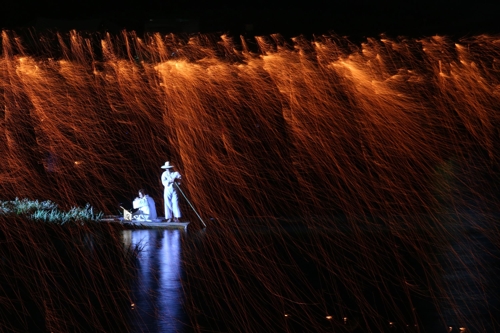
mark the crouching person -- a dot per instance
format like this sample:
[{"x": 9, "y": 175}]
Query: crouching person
[{"x": 144, "y": 207}]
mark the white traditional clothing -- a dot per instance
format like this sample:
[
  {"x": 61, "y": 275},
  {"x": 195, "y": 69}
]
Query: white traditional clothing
[
  {"x": 146, "y": 208},
  {"x": 169, "y": 180}
]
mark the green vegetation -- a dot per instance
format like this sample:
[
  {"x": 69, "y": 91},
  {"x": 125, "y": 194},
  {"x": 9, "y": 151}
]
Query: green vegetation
[{"x": 48, "y": 211}]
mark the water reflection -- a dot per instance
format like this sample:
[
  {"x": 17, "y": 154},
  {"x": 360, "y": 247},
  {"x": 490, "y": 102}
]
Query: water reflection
[
  {"x": 157, "y": 292},
  {"x": 384, "y": 278}
]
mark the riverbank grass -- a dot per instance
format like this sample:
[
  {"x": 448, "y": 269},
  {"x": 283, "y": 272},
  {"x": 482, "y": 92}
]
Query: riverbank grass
[{"x": 48, "y": 211}]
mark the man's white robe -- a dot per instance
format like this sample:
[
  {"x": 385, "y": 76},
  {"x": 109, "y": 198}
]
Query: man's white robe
[
  {"x": 170, "y": 197},
  {"x": 146, "y": 208}
]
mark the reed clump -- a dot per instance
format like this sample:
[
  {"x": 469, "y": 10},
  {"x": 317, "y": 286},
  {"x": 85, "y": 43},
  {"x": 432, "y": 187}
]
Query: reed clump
[{"x": 48, "y": 211}]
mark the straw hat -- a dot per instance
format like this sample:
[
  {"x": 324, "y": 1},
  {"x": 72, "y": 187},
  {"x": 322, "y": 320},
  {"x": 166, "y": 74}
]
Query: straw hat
[{"x": 167, "y": 165}]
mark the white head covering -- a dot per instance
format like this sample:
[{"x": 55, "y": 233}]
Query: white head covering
[{"x": 167, "y": 165}]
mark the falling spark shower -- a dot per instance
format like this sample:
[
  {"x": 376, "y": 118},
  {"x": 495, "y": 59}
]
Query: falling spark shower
[
  {"x": 278, "y": 127},
  {"x": 388, "y": 148}
]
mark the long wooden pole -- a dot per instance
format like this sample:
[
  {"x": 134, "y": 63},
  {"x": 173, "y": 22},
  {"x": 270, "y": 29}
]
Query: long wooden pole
[{"x": 189, "y": 202}]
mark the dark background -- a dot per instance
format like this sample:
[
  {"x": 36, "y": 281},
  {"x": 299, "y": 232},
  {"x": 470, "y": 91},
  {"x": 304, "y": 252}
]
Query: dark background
[{"x": 355, "y": 18}]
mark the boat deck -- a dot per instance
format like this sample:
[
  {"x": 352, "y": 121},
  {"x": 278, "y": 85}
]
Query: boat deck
[{"x": 160, "y": 222}]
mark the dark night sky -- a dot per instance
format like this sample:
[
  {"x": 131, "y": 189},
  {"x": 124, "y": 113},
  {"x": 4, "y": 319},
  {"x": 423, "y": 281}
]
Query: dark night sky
[{"x": 350, "y": 18}]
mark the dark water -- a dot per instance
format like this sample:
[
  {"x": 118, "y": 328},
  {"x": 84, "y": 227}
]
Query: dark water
[
  {"x": 157, "y": 294},
  {"x": 300, "y": 279}
]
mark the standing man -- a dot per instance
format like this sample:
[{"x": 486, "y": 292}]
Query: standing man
[{"x": 170, "y": 197}]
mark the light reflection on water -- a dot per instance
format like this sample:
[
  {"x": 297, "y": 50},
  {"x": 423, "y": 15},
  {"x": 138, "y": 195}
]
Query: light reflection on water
[
  {"x": 157, "y": 290},
  {"x": 462, "y": 278}
]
